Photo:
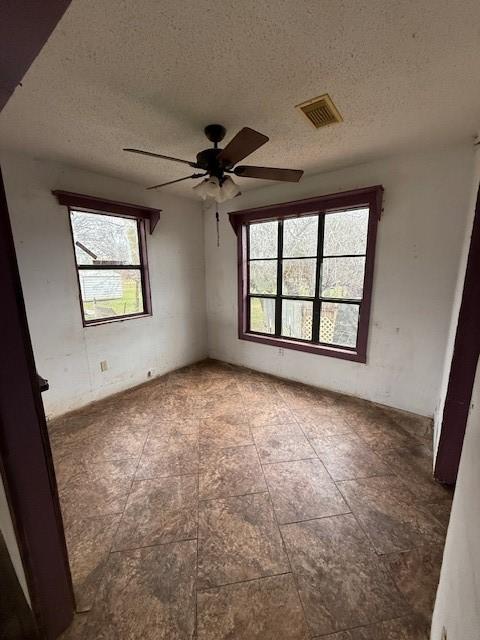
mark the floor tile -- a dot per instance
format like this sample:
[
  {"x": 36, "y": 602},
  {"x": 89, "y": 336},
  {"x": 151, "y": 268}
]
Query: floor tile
[
  {"x": 67, "y": 465},
  {"x": 405, "y": 628},
  {"x": 159, "y": 511},
  {"x": 176, "y": 405},
  {"x": 379, "y": 429},
  {"x": 267, "y": 411},
  {"x": 89, "y": 541},
  {"x": 347, "y": 457},
  {"x": 416, "y": 574},
  {"x": 342, "y": 583},
  {"x": 76, "y": 631},
  {"x": 302, "y": 490},
  {"x": 282, "y": 443},
  {"x": 419, "y": 426},
  {"x": 255, "y": 389},
  {"x": 363, "y": 414},
  {"x": 84, "y": 497},
  {"x": 225, "y": 431},
  {"x": 389, "y": 514},
  {"x": 238, "y": 539},
  {"x": 230, "y": 472},
  {"x": 380, "y": 435},
  {"x": 211, "y": 406},
  {"x": 264, "y": 609},
  {"x": 322, "y": 423},
  {"x": 111, "y": 470},
  {"x": 299, "y": 396},
  {"x": 165, "y": 427},
  {"x": 205, "y": 384},
  {"x": 441, "y": 510},
  {"x": 133, "y": 417},
  {"x": 415, "y": 466},
  {"x": 146, "y": 594},
  {"x": 171, "y": 456},
  {"x": 75, "y": 442}
]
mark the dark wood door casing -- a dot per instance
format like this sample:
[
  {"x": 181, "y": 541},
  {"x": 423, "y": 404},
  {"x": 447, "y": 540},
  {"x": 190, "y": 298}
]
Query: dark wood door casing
[
  {"x": 463, "y": 368},
  {"x": 25, "y": 459}
]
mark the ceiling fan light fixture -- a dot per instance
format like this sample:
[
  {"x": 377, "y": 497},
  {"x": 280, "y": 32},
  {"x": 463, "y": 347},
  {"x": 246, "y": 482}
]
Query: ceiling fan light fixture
[
  {"x": 211, "y": 188},
  {"x": 208, "y": 188},
  {"x": 229, "y": 189}
]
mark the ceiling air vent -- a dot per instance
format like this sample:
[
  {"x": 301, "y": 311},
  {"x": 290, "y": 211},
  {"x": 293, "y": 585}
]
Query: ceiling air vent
[{"x": 320, "y": 111}]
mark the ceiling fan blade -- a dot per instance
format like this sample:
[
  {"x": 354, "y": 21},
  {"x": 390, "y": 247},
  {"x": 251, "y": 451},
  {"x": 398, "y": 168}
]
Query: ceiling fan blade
[
  {"x": 159, "y": 155},
  {"x": 164, "y": 184},
  {"x": 269, "y": 173},
  {"x": 242, "y": 145}
]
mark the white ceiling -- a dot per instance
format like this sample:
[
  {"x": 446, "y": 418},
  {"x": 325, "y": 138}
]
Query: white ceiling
[{"x": 152, "y": 73}]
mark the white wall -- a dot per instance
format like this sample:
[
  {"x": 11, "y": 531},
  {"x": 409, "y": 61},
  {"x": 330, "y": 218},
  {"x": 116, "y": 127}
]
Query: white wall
[
  {"x": 66, "y": 353},
  {"x": 457, "y": 605},
  {"x": 418, "y": 253},
  {"x": 457, "y": 299},
  {"x": 9, "y": 535}
]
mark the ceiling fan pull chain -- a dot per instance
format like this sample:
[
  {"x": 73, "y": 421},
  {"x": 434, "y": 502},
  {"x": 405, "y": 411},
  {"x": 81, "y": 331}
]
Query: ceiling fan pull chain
[{"x": 218, "y": 225}]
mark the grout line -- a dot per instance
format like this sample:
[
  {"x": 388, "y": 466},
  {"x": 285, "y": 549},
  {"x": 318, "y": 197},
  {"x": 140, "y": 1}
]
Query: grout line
[
  {"x": 363, "y": 626},
  {"x": 267, "y": 464},
  {"x": 228, "y": 584},
  {"x": 152, "y": 546},
  {"x": 237, "y": 495},
  {"x": 332, "y": 515}
]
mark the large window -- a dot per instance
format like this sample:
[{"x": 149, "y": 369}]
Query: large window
[{"x": 305, "y": 273}]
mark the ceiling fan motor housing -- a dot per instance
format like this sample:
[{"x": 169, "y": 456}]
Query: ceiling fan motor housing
[{"x": 208, "y": 161}]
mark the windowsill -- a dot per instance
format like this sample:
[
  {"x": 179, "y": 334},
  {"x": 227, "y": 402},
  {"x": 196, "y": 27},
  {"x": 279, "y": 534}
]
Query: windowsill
[
  {"x": 296, "y": 345},
  {"x": 134, "y": 316}
]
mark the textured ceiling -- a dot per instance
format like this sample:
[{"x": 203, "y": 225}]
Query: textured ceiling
[{"x": 153, "y": 73}]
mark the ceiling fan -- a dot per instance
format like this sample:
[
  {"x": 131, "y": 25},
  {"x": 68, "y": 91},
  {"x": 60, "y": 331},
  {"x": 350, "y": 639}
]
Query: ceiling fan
[{"x": 217, "y": 164}]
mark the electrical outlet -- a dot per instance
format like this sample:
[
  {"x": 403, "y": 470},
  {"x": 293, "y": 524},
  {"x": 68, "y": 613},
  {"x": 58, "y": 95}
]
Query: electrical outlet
[
  {"x": 150, "y": 373},
  {"x": 444, "y": 634},
  {"x": 280, "y": 351},
  {"x": 103, "y": 365}
]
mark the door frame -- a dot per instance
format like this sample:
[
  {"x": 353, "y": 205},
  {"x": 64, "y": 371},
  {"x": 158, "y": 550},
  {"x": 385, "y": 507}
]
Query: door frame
[
  {"x": 26, "y": 465},
  {"x": 463, "y": 367}
]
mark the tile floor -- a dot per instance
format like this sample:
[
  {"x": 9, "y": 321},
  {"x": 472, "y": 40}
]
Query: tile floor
[{"x": 219, "y": 503}]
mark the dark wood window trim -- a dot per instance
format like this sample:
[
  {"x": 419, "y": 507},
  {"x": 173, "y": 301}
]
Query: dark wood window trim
[
  {"x": 142, "y": 215},
  {"x": 370, "y": 197},
  {"x": 94, "y": 204}
]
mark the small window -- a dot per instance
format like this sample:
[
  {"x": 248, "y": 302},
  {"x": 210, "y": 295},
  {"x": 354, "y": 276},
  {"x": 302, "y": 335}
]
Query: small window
[
  {"x": 306, "y": 272},
  {"x": 110, "y": 256}
]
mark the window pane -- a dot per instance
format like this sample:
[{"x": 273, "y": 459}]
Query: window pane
[
  {"x": 343, "y": 278},
  {"x": 300, "y": 237},
  {"x": 299, "y": 277},
  {"x": 263, "y": 276},
  {"x": 263, "y": 239},
  {"x": 297, "y": 316},
  {"x": 262, "y": 315},
  {"x": 100, "y": 239},
  {"x": 338, "y": 324},
  {"x": 346, "y": 233},
  {"x": 108, "y": 293}
]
